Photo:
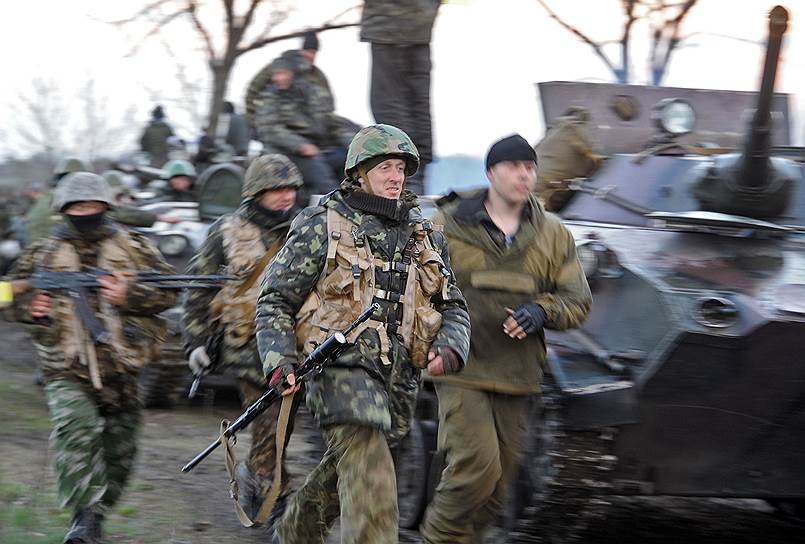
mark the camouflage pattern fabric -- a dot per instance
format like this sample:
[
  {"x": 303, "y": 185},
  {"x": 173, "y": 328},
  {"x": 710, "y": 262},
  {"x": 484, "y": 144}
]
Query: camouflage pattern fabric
[
  {"x": 358, "y": 388},
  {"x": 378, "y": 140},
  {"x": 154, "y": 141},
  {"x": 211, "y": 259},
  {"x": 398, "y": 22},
  {"x": 94, "y": 445},
  {"x": 81, "y": 187},
  {"x": 271, "y": 171},
  {"x": 483, "y": 435},
  {"x": 355, "y": 480},
  {"x": 142, "y": 300},
  {"x": 311, "y": 75},
  {"x": 303, "y": 114}
]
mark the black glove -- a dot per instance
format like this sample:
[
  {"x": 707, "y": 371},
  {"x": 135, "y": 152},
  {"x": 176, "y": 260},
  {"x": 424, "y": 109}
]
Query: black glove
[
  {"x": 531, "y": 317},
  {"x": 277, "y": 381}
]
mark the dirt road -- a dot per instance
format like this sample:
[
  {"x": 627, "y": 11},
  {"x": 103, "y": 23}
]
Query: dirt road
[{"x": 164, "y": 506}]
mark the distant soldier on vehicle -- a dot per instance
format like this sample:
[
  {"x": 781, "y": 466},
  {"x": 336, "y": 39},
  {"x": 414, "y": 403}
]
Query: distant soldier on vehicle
[
  {"x": 400, "y": 34},
  {"x": 296, "y": 119},
  {"x": 91, "y": 385},
  {"x": 181, "y": 178},
  {"x": 565, "y": 152},
  {"x": 365, "y": 242},
  {"x": 242, "y": 244},
  {"x": 518, "y": 269},
  {"x": 123, "y": 211},
  {"x": 154, "y": 139},
  {"x": 40, "y": 219}
]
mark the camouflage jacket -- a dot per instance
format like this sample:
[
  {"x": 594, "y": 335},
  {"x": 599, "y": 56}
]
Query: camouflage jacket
[
  {"x": 133, "y": 216},
  {"x": 540, "y": 265},
  {"x": 303, "y": 114},
  {"x": 357, "y": 388},
  {"x": 398, "y": 22},
  {"x": 212, "y": 259},
  {"x": 154, "y": 141},
  {"x": 309, "y": 73},
  {"x": 119, "y": 387},
  {"x": 40, "y": 218}
]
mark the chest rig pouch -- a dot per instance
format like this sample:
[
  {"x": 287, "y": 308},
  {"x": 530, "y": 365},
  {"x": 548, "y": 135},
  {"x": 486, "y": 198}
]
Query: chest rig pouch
[{"x": 349, "y": 284}]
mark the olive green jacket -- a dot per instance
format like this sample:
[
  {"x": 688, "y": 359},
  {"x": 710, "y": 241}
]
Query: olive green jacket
[{"x": 539, "y": 266}]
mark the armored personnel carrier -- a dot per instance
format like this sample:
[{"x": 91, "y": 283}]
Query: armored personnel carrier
[{"x": 688, "y": 377}]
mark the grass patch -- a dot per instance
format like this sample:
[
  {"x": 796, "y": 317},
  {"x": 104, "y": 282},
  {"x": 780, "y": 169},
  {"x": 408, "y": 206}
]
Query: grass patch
[
  {"x": 26, "y": 520},
  {"x": 27, "y": 403},
  {"x": 128, "y": 511}
]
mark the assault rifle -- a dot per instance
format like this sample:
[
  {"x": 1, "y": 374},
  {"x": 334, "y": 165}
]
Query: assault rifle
[
  {"x": 76, "y": 284},
  {"x": 328, "y": 350}
]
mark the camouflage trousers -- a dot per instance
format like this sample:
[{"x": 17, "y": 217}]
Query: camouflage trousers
[
  {"x": 93, "y": 447},
  {"x": 263, "y": 453},
  {"x": 355, "y": 479},
  {"x": 483, "y": 435}
]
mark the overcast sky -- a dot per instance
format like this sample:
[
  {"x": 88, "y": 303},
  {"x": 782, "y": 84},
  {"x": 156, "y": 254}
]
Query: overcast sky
[{"x": 487, "y": 57}]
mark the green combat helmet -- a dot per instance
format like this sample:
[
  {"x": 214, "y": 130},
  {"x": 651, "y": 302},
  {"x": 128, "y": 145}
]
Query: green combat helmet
[
  {"x": 68, "y": 165},
  {"x": 81, "y": 187},
  {"x": 378, "y": 140},
  {"x": 178, "y": 167},
  {"x": 271, "y": 171}
]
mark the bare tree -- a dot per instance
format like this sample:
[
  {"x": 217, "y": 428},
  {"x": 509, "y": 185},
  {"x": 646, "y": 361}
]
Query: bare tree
[
  {"x": 98, "y": 134},
  {"x": 664, "y": 18},
  {"x": 242, "y": 32},
  {"x": 41, "y": 118}
]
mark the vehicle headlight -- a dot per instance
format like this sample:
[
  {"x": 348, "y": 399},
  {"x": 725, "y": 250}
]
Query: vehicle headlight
[
  {"x": 674, "y": 116},
  {"x": 172, "y": 245},
  {"x": 598, "y": 260}
]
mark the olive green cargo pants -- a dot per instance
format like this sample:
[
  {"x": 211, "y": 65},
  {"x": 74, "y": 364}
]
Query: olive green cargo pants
[
  {"x": 483, "y": 435},
  {"x": 355, "y": 479}
]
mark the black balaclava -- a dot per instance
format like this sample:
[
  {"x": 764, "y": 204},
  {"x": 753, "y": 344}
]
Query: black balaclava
[{"x": 86, "y": 224}]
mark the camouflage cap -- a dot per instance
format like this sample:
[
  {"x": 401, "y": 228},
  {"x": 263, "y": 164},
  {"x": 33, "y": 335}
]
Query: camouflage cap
[
  {"x": 178, "y": 167},
  {"x": 81, "y": 187},
  {"x": 66, "y": 165},
  {"x": 270, "y": 172},
  {"x": 377, "y": 140}
]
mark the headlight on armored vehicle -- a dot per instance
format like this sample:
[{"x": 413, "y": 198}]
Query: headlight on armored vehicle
[
  {"x": 674, "y": 116},
  {"x": 598, "y": 260},
  {"x": 172, "y": 245}
]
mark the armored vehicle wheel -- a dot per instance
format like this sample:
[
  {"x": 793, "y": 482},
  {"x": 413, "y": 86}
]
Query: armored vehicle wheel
[{"x": 412, "y": 462}]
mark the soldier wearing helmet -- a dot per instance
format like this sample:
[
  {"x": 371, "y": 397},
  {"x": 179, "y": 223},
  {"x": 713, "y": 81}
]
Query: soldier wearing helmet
[
  {"x": 181, "y": 177},
  {"x": 366, "y": 242},
  {"x": 39, "y": 220},
  {"x": 242, "y": 244},
  {"x": 91, "y": 386}
]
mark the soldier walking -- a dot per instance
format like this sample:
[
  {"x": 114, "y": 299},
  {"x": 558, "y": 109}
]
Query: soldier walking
[
  {"x": 242, "y": 244},
  {"x": 518, "y": 268},
  {"x": 366, "y": 242},
  {"x": 91, "y": 387}
]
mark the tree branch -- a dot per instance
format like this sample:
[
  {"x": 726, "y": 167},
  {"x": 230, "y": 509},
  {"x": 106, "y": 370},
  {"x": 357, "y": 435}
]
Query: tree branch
[
  {"x": 155, "y": 30},
  {"x": 205, "y": 35},
  {"x": 145, "y": 11},
  {"x": 262, "y": 42},
  {"x": 595, "y": 46}
]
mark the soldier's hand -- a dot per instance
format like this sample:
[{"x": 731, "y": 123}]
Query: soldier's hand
[
  {"x": 526, "y": 319},
  {"x": 308, "y": 150},
  {"x": 283, "y": 380},
  {"x": 40, "y": 305},
  {"x": 199, "y": 361},
  {"x": 114, "y": 288},
  {"x": 443, "y": 360}
]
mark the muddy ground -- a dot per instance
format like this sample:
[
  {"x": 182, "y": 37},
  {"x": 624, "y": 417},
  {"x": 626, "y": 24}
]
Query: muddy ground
[{"x": 164, "y": 506}]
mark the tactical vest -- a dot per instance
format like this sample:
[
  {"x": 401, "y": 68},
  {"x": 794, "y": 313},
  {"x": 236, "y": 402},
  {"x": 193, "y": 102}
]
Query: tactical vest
[
  {"x": 235, "y": 303},
  {"x": 349, "y": 284},
  {"x": 134, "y": 341}
]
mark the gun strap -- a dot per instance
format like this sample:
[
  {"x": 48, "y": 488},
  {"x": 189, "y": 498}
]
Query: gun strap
[{"x": 276, "y": 486}]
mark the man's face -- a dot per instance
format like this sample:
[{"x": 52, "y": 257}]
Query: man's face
[
  {"x": 386, "y": 179},
  {"x": 278, "y": 200},
  {"x": 87, "y": 207},
  {"x": 180, "y": 183},
  {"x": 513, "y": 180},
  {"x": 282, "y": 79},
  {"x": 309, "y": 54}
]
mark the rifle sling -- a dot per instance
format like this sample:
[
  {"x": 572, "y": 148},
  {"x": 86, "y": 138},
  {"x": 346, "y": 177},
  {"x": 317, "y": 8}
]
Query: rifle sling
[{"x": 276, "y": 486}]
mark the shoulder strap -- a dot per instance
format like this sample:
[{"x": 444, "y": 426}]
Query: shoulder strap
[{"x": 258, "y": 269}]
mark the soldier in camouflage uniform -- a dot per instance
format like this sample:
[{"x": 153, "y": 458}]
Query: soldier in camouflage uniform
[
  {"x": 91, "y": 388},
  {"x": 400, "y": 33},
  {"x": 365, "y": 242},
  {"x": 518, "y": 267},
  {"x": 123, "y": 212},
  {"x": 181, "y": 178},
  {"x": 154, "y": 139},
  {"x": 242, "y": 244},
  {"x": 296, "y": 118}
]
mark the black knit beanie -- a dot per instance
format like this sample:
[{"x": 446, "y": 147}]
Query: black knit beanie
[
  {"x": 510, "y": 148},
  {"x": 310, "y": 41}
]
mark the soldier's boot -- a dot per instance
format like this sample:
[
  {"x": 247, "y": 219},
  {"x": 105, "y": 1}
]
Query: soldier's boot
[
  {"x": 248, "y": 489},
  {"x": 86, "y": 528}
]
